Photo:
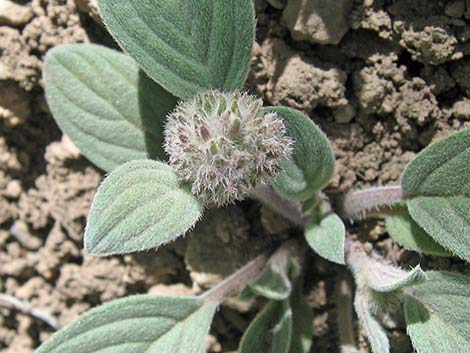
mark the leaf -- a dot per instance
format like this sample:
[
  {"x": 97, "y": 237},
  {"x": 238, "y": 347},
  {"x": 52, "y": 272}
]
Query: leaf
[
  {"x": 187, "y": 46},
  {"x": 437, "y": 186},
  {"x": 141, "y": 205},
  {"x": 110, "y": 109},
  {"x": 386, "y": 278},
  {"x": 436, "y": 314},
  {"x": 405, "y": 231},
  {"x": 302, "y": 320},
  {"x": 311, "y": 166},
  {"x": 373, "y": 330},
  {"x": 327, "y": 237},
  {"x": 139, "y": 323},
  {"x": 270, "y": 331}
]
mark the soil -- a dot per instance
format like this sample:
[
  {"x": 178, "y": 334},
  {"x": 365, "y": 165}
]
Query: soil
[{"x": 382, "y": 78}]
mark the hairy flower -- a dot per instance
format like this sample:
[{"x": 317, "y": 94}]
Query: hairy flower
[{"x": 224, "y": 144}]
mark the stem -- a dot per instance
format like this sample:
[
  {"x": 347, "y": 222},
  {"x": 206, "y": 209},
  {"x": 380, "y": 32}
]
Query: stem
[
  {"x": 287, "y": 208},
  {"x": 248, "y": 273},
  {"x": 234, "y": 283},
  {"x": 357, "y": 203},
  {"x": 344, "y": 304},
  {"x": 28, "y": 309}
]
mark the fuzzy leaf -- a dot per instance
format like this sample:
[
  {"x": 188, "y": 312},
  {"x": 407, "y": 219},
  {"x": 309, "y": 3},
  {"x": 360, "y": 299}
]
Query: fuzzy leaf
[
  {"x": 385, "y": 278},
  {"x": 110, "y": 109},
  {"x": 302, "y": 320},
  {"x": 437, "y": 186},
  {"x": 186, "y": 45},
  {"x": 139, "y": 323},
  {"x": 436, "y": 314},
  {"x": 406, "y": 232},
  {"x": 373, "y": 329},
  {"x": 270, "y": 331},
  {"x": 327, "y": 237},
  {"x": 311, "y": 166},
  {"x": 141, "y": 205}
]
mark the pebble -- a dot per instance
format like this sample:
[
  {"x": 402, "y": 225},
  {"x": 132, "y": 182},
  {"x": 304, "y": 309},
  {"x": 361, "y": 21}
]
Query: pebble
[
  {"x": 13, "y": 189},
  {"x": 14, "y": 15},
  {"x": 318, "y": 21}
]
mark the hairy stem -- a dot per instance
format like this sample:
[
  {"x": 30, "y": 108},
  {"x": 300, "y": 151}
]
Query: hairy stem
[
  {"x": 234, "y": 283},
  {"x": 28, "y": 309},
  {"x": 287, "y": 208},
  {"x": 356, "y": 204},
  {"x": 344, "y": 305}
]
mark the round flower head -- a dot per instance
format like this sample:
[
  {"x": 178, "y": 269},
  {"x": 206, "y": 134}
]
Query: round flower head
[{"x": 223, "y": 144}]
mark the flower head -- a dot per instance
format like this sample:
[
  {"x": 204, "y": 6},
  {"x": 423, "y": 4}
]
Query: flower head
[{"x": 224, "y": 144}]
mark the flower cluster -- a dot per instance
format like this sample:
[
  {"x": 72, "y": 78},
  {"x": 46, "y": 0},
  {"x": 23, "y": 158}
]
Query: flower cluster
[{"x": 224, "y": 144}]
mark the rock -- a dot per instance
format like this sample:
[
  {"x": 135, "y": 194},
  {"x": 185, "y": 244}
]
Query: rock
[
  {"x": 455, "y": 9},
  {"x": 432, "y": 45},
  {"x": 13, "y": 189},
  {"x": 318, "y": 21},
  {"x": 14, "y": 15},
  {"x": 14, "y": 104},
  {"x": 461, "y": 109},
  {"x": 299, "y": 82}
]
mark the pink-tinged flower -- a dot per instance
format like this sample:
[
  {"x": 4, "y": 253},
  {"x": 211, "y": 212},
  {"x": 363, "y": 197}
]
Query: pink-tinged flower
[{"x": 224, "y": 144}]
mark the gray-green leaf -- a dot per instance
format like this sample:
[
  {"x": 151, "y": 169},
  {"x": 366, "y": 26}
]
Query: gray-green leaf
[
  {"x": 141, "y": 205},
  {"x": 327, "y": 237},
  {"x": 186, "y": 45},
  {"x": 437, "y": 186},
  {"x": 270, "y": 331},
  {"x": 436, "y": 314},
  {"x": 110, "y": 109},
  {"x": 136, "y": 324},
  {"x": 405, "y": 231},
  {"x": 373, "y": 329},
  {"x": 311, "y": 165},
  {"x": 386, "y": 278},
  {"x": 302, "y": 320}
]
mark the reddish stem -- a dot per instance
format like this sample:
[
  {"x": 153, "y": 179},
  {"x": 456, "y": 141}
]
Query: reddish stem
[
  {"x": 234, "y": 283},
  {"x": 357, "y": 204}
]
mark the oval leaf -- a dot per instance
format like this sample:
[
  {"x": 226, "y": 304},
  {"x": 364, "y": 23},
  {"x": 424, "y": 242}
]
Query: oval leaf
[
  {"x": 141, "y": 205},
  {"x": 186, "y": 45},
  {"x": 436, "y": 314},
  {"x": 140, "y": 323},
  {"x": 327, "y": 237},
  {"x": 311, "y": 166},
  {"x": 110, "y": 109},
  {"x": 437, "y": 186},
  {"x": 404, "y": 230}
]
